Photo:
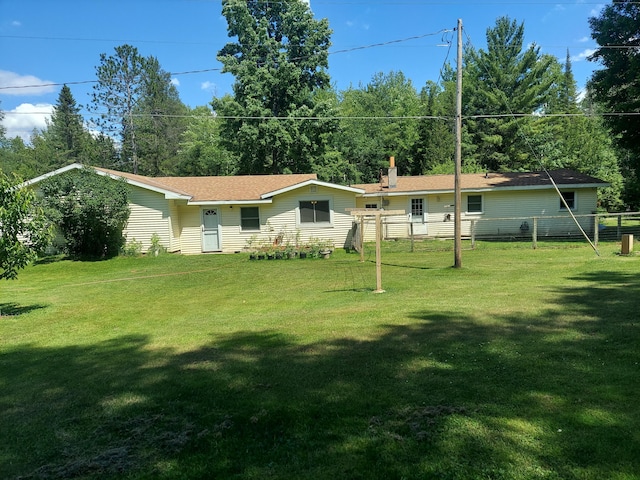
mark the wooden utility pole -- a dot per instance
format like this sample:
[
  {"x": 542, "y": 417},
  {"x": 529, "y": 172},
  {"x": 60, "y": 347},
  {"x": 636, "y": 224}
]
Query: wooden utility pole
[{"x": 458, "y": 171}]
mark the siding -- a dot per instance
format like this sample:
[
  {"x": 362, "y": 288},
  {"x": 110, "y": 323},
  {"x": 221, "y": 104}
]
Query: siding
[
  {"x": 496, "y": 205},
  {"x": 190, "y": 228},
  {"x": 149, "y": 215},
  {"x": 280, "y": 218}
]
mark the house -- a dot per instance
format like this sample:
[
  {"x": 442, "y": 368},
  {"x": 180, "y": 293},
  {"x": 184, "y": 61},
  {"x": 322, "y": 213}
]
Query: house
[
  {"x": 195, "y": 215},
  {"x": 493, "y": 204}
]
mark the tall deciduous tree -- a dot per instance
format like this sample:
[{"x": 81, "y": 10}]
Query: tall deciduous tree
[
  {"x": 279, "y": 60},
  {"x": 434, "y": 149},
  {"x": 392, "y": 103},
  {"x": 24, "y": 231},
  {"x": 617, "y": 86},
  {"x": 506, "y": 79},
  {"x": 200, "y": 151}
]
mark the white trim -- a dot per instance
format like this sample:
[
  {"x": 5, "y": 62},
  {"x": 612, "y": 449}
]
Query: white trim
[
  {"x": 73, "y": 166},
  {"x": 168, "y": 194},
  {"x": 311, "y": 182},
  {"x": 204, "y": 203},
  {"x": 310, "y": 225},
  {"x": 474, "y": 194}
]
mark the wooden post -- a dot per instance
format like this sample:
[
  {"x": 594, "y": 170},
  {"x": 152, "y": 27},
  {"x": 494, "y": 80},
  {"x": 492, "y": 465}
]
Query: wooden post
[
  {"x": 378, "y": 214},
  {"x": 473, "y": 234},
  {"x": 596, "y": 231},
  {"x": 361, "y": 239},
  {"x": 411, "y": 232},
  {"x": 534, "y": 235},
  {"x": 619, "y": 234},
  {"x": 627, "y": 244},
  {"x": 457, "y": 240},
  {"x": 378, "y": 255}
]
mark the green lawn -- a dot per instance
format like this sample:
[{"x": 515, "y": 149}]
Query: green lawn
[{"x": 523, "y": 364}]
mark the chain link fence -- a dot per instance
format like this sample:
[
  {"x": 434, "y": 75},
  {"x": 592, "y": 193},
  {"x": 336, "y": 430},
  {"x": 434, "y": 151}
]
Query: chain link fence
[{"x": 599, "y": 227}]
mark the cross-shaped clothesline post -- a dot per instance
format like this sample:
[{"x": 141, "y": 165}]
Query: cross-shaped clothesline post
[{"x": 361, "y": 214}]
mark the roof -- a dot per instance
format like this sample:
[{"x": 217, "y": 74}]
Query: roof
[
  {"x": 219, "y": 189},
  {"x": 482, "y": 182},
  {"x": 203, "y": 190}
]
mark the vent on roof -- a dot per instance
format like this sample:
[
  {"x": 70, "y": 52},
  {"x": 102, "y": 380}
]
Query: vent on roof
[{"x": 313, "y": 188}]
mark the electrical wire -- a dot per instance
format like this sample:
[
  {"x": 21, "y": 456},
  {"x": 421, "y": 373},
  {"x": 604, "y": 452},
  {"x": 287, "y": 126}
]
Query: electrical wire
[{"x": 538, "y": 157}]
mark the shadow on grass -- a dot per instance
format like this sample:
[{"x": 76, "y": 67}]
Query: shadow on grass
[
  {"x": 446, "y": 396},
  {"x": 14, "y": 309}
]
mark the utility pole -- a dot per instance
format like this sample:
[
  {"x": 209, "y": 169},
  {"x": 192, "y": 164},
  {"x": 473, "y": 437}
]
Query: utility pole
[{"x": 457, "y": 194}]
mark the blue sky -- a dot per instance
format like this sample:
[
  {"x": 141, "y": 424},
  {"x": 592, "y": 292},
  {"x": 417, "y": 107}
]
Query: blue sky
[{"x": 57, "y": 42}]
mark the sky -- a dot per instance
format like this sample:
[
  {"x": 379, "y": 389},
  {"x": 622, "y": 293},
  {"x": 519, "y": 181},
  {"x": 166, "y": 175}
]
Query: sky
[{"x": 50, "y": 43}]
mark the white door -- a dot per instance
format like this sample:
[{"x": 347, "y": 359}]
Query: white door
[
  {"x": 418, "y": 216},
  {"x": 210, "y": 233}
]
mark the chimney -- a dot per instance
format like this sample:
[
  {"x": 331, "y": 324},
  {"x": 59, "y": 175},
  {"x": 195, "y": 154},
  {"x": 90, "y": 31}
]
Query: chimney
[{"x": 393, "y": 173}]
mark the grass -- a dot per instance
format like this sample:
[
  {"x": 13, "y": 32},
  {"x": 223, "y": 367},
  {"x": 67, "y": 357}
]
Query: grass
[{"x": 523, "y": 364}]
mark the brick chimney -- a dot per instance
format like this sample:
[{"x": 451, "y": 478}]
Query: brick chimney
[{"x": 393, "y": 173}]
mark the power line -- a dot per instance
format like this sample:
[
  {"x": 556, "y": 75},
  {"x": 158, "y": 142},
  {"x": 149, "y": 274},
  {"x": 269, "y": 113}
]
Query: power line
[{"x": 346, "y": 50}]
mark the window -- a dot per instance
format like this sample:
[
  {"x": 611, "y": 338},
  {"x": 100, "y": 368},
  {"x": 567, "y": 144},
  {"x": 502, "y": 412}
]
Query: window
[
  {"x": 315, "y": 211},
  {"x": 474, "y": 204},
  {"x": 417, "y": 207},
  {"x": 570, "y": 198},
  {"x": 250, "y": 218},
  {"x": 371, "y": 205}
]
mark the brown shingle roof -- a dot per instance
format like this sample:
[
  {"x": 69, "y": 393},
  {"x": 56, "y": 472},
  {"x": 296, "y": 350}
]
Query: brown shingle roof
[
  {"x": 479, "y": 181},
  {"x": 212, "y": 189}
]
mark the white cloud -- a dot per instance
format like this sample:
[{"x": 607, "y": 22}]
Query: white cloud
[
  {"x": 208, "y": 86},
  {"x": 22, "y": 120},
  {"x": 16, "y": 23},
  {"x": 583, "y": 55},
  {"x": 584, "y": 40},
  {"x": 15, "y": 84},
  {"x": 175, "y": 82}
]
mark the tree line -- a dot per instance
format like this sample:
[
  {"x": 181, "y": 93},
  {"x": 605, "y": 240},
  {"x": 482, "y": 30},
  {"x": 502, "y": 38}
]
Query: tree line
[{"x": 521, "y": 110}]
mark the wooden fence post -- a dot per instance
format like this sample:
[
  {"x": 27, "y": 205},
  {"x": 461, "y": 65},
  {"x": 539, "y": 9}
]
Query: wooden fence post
[
  {"x": 535, "y": 233},
  {"x": 473, "y": 234}
]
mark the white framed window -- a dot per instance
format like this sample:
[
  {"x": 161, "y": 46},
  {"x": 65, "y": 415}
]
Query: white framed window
[
  {"x": 249, "y": 218},
  {"x": 371, "y": 205},
  {"x": 314, "y": 212},
  {"x": 570, "y": 199},
  {"x": 474, "y": 204}
]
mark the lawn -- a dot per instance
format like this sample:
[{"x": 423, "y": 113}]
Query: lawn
[{"x": 523, "y": 364}]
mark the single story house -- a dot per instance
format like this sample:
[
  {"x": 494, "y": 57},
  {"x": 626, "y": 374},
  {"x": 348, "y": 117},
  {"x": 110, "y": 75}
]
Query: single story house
[
  {"x": 195, "y": 215},
  {"x": 493, "y": 204}
]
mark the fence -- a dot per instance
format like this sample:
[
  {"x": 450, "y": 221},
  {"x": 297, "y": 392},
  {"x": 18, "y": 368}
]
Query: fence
[{"x": 598, "y": 227}]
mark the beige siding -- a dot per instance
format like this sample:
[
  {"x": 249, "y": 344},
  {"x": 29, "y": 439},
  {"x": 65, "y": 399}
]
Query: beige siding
[
  {"x": 190, "y": 229},
  {"x": 281, "y": 218},
  {"x": 149, "y": 215},
  {"x": 174, "y": 224},
  {"x": 508, "y": 205}
]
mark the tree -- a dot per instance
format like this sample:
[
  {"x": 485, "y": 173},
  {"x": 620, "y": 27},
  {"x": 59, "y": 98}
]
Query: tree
[
  {"x": 66, "y": 130},
  {"x": 116, "y": 95},
  {"x": 500, "y": 82},
  {"x": 279, "y": 61},
  {"x": 159, "y": 121},
  {"x": 201, "y": 152},
  {"x": 617, "y": 86},
  {"x": 90, "y": 210},
  {"x": 24, "y": 231},
  {"x": 368, "y": 143},
  {"x": 435, "y": 148}
]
